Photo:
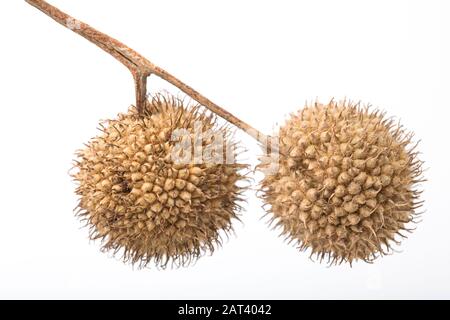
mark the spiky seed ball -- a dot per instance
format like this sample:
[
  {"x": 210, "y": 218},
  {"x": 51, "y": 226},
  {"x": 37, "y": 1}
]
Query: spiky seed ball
[
  {"x": 143, "y": 203},
  {"x": 346, "y": 182}
]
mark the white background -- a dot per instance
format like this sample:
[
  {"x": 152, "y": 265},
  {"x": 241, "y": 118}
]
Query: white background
[{"x": 259, "y": 59}]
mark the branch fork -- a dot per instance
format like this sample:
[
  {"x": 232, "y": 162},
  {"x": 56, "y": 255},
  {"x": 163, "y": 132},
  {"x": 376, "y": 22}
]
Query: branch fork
[{"x": 139, "y": 66}]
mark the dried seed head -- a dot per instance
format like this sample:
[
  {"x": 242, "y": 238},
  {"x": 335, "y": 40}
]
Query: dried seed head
[
  {"x": 144, "y": 204},
  {"x": 353, "y": 184}
]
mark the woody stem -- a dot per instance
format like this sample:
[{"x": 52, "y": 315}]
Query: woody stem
[{"x": 139, "y": 66}]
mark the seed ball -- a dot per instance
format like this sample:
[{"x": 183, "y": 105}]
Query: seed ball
[
  {"x": 147, "y": 205},
  {"x": 356, "y": 178}
]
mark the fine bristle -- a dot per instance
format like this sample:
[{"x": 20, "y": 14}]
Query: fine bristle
[
  {"x": 346, "y": 184},
  {"x": 147, "y": 207}
]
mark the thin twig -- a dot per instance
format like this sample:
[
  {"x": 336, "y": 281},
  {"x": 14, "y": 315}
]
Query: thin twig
[{"x": 139, "y": 66}]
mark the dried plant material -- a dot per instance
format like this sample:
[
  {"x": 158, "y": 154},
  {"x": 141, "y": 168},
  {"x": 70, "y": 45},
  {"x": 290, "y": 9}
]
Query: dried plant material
[
  {"x": 346, "y": 183},
  {"x": 145, "y": 205},
  {"x": 345, "y": 186},
  {"x": 139, "y": 66},
  {"x": 133, "y": 195}
]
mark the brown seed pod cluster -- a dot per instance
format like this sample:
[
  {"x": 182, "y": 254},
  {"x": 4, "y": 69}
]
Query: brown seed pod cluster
[
  {"x": 345, "y": 187},
  {"x": 346, "y": 184},
  {"x": 144, "y": 204}
]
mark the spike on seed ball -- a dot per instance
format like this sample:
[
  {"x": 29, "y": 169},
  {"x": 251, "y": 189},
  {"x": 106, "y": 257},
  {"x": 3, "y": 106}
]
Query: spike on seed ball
[
  {"x": 146, "y": 206},
  {"x": 354, "y": 182}
]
